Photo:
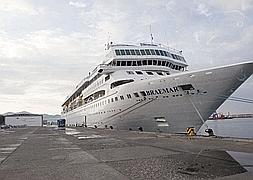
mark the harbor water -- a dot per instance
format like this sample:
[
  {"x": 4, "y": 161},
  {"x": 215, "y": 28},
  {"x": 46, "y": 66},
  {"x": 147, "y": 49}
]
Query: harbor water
[{"x": 236, "y": 127}]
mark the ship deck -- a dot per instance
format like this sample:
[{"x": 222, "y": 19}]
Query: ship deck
[{"x": 84, "y": 153}]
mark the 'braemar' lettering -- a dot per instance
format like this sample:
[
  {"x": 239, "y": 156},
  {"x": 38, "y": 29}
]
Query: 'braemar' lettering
[{"x": 162, "y": 91}]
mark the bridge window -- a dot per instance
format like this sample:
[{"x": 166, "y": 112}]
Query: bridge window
[
  {"x": 122, "y": 97},
  {"x": 127, "y": 52},
  {"x": 161, "y": 52},
  {"x": 163, "y": 63},
  {"x": 137, "y": 52},
  {"x": 154, "y": 62},
  {"x": 134, "y": 63},
  {"x": 132, "y": 52},
  {"x": 118, "y": 63},
  {"x": 152, "y": 51},
  {"x": 147, "y": 52},
  {"x": 122, "y": 52},
  {"x": 116, "y": 98},
  {"x": 129, "y": 63},
  {"x": 117, "y": 52},
  {"x": 159, "y": 63},
  {"x": 139, "y": 63},
  {"x": 143, "y": 52},
  {"x": 149, "y": 62},
  {"x": 157, "y": 52}
]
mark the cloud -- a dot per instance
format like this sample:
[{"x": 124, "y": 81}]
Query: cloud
[
  {"x": 20, "y": 6},
  {"x": 77, "y": 4},
  {"x": 203, "y": 10}
]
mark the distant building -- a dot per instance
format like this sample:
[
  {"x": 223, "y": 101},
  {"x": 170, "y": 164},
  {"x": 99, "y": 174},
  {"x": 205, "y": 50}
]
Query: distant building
[{"x": 24, "y": 119}]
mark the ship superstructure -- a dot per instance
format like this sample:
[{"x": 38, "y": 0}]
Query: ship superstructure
[{"x": 148, "y": 87}]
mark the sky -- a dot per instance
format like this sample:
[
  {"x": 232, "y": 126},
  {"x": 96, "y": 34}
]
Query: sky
[{"x": 47, "y": 47}]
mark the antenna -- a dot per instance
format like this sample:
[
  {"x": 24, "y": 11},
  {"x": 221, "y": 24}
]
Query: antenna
[
  {"x": 108, "y": 41},
  {"x": 151, "y": 36}
]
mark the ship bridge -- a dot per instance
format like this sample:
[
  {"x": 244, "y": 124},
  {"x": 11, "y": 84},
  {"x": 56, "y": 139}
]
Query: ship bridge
[{"x": 145, "y": 55}]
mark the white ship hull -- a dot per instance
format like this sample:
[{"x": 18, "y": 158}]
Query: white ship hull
[{"x": 168, "y": 105}]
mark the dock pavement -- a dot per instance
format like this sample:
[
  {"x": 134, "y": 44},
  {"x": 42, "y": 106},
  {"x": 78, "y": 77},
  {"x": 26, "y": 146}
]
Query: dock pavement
[{"x": 41, "y": 153}]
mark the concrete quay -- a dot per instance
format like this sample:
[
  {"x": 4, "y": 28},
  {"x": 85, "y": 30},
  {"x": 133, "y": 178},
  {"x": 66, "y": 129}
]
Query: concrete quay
[{"x": 84, "y": 153}]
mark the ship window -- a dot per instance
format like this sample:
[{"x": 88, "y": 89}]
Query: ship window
[
  {"x": 147, "y": 52},
  {"x": 122, "y": 97},
  {"x": 123, "y": 63},
  {"x": 132, "y": 52},
  {"x": 152, "y": 51},
  {"x": 143, "y": 52},
  {"x": 187, "y": 87},
  {"x": 129, "y": 96},
  {"x": 149, "y": 62},
  {"x": 130, "y": 72},
  {"x": 154, "y": 62},
  {"x": 118, "y": 63},
  {"x": 168, "y": 54},
  {"x": 138, "y": 72},
  {"x": 134, "y": 63},
  {"x": 157, "y": 52},
  {"x": 127, "y": 52},
  {"x": 167, "y": 63},
  {"x": 173, "y": 55},
  {"x": 107, "y": 77},
  {"x": 143, "y": 93},
  {"x": 116, "y": 98},
  {"x": 139, "y": 63},
  {"x": 161, "y": 52},
  {"x": 129, "y": 63},
  {"x": 117, "y": 52},
  {"x": 137, "y": 52},
  {"x": 122, "y": 52},
  {"x": 149, "y": 73},
  {"x": 136, "y": 94},
  {"x": 165, "y": 53},
  {"x": 144, "y": 62},
  {"x": 163, "y": 63},
  {"x": 159, "y": 63},
  {"x": 121, "y": 82},
  {"x": 160, "y": 73}
]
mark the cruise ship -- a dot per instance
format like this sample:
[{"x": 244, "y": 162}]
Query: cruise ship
[{"x": 148, "y": 87}]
